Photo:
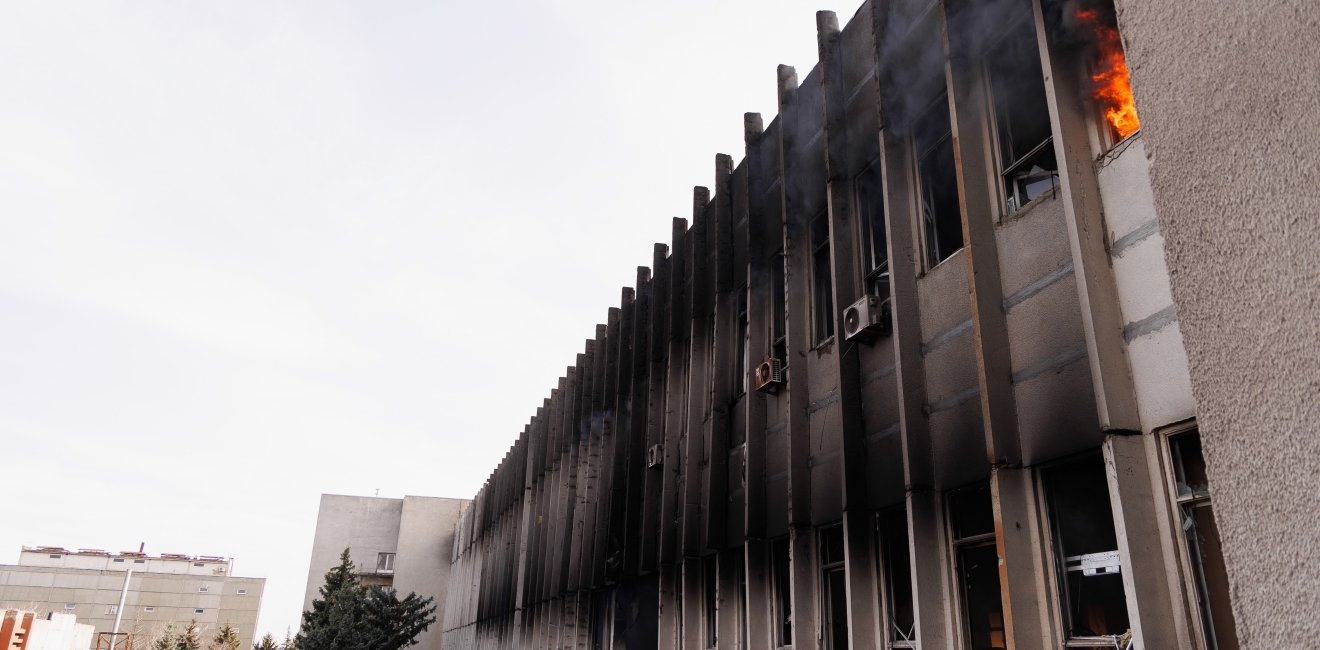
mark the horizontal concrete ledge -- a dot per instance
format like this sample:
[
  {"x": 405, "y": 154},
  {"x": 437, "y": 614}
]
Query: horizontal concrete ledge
[
  {"x": 1150, "y": 324},
  {"x": 1039, "y": 285},
  {"x": 1138, "y": 234},
  {"x": 946, "y": 336},
  {"x": 1052, "y": 363}
]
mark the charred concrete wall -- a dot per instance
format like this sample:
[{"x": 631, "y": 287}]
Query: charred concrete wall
[
  {"x": 1228, "y": 100},
  {"x": 909, "y": 376}
]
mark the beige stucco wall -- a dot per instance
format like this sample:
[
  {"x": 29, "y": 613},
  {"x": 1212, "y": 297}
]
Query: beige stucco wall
[
  {"x": 153, "y": 599},
  {"x": 1229, "y": 98}
]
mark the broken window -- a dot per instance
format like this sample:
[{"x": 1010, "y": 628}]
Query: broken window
[
  {"x": 834, "y": 587},
  {"x": 778, "y": 315},
  {"x": 709, "y": 576},
  {"x": 1201, "y": 537},
  {"x": 875, "y": 246},
  {"x": 740, "y": 343},
  {"x": 1086, "y": 552},
  {"x": 822, "y": 278},
  {"x": 937, "y": 180},
  {"x": 782, "y": 605},
  {"x": 1021, "y": 114},
  {"x": 972, "y": 520},
  {"x": 896, "y": 563}
]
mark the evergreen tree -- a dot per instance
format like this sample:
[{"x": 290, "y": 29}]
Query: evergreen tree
[
  {"x": 189, "y": 639},
  {"x": 289, "y": 642},
  {"x": 349, "y": 616},
  {"x": 266, "y": 643},
  {"x": 396, "y": 623},
  {"x": 225, "y": 639},
  {"x": 164, "y": 640}
]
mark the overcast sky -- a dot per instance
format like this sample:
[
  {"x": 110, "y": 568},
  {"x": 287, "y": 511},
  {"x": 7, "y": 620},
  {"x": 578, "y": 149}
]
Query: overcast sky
[{"x": 251, "y": 252}]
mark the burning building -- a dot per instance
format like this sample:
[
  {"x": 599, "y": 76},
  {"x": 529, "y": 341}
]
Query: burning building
[{"x": 912, "y": 376}]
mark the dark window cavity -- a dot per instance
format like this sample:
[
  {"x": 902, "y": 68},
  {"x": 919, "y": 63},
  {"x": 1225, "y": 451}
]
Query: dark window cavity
[
  {"x": 896, "y": 565},
  {"x": 822, "y": 276},
  {"x": 937, "y": 178},
  {"x": 835, "y": 587},
  {"x": 875, "y": 244},
  {"x": 1021, "y": 115},
  {"x": 1201, "y": 536},
  {"x": 783, "y": 593},
  {"x": 971, "y": 517},
  {"x": 710, "y": 575},
  {"x": 1086, "y": 549},
  {"x": 778, "y": 316}
]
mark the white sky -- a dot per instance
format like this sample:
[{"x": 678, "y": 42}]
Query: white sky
[{"x": 251, "y": 252}]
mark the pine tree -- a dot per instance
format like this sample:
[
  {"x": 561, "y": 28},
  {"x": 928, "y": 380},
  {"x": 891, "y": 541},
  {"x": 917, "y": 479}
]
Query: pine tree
[
  {"x": 266, "y": 643},
  {"x": 289, "y": 643},
  {"x": 396, "y": 623},
  {"x": 225, "y": 639},
  {"x": 189, "y": 639},
  {"x": 348, "y": 616},
  {"x": 164, "y": 640}
]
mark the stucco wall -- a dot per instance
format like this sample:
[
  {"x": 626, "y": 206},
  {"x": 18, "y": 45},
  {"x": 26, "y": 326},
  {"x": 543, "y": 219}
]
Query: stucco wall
[
  {"x": 364, "y": 525},
  {"x": 1229, "y": 99},
  {"x": 426, "y": 543}
]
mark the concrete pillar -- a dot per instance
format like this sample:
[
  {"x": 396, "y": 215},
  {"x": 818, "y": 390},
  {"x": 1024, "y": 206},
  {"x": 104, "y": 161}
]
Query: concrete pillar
[
  {"x": 1145, "y": 543},
  {"x": 1021, "y": 542},
  {"x": 1097, "y": 293}
]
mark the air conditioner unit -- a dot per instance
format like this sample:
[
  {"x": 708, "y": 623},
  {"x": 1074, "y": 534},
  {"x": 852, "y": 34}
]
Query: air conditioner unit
[
  {"x": 655, "y": 456},
  {"x": 769, "y": 375},
  {"x": 866, "y": 318}
]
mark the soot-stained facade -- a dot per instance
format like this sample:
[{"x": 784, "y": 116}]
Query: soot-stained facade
[{"x": 911, "y": 376}]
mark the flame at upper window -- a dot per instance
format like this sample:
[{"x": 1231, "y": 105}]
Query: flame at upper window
[{"x": 1110, "y": 83}]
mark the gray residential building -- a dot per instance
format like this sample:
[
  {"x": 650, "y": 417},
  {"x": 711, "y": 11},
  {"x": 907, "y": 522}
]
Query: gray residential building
[
  {"x": 405, "y": 544},
  {"x": 166, "y": 589}
]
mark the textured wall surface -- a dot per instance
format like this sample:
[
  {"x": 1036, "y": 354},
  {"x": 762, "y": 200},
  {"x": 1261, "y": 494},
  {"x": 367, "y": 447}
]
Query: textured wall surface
[{"x": 1229, "y": 98}]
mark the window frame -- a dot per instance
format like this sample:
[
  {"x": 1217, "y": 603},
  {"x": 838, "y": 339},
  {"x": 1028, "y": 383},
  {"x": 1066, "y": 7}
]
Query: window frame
[
  {"x": 961, "y": 615},
  {"x": 1189, "y": 576},
  {"x": 826, "y": 568},
  {"x": 925, "y": 232},
  {"x": 884, "y": 552},
  {"x": 1011, "y": 204},
  {"x": 822, "y": 284},
  {"x": 385, "y": 562},
  {"x": 781, "y": 593},
  {"x": 875, "y": 274}
]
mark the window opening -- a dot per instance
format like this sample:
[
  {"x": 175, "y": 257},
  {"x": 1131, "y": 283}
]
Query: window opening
[
  {"x": 835, "y": 585},
  {"x": 875, "y": 243},
  {"x": 1021, "y": 115},
  {"x": 740, "y": 361},
  {"x": 741, "y": 569},
  {"x": 822, "y": 278},
  {"x": 111, "y": 609},
  {"x": 709, "y": 576},
  {"x": 973, "y": 524},
  {"x": 1086, "y": 552},
  {"x": 937, "y": 178},
  {"x": 778, "y": 320},
  {"x": 385, "y": 562},
  {"x": 782, "y": 606},
  {"x": 1201, "y": 539},
  {"x": 896, "y": 564},
  {"x": 70, "y": 606}
]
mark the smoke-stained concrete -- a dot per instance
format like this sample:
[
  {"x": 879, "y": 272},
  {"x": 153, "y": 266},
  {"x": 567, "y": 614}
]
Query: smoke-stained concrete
[{"x": 1229, "y": 99}]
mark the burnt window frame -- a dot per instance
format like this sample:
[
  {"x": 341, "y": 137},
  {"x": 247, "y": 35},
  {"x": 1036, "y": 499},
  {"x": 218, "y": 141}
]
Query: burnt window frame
[
  {"x": 779, "y": 307},
  {"x": 822, "y": 279},
  {"x": 894, "y": 636},
  {"x": 931, "y": 258},
  {"x": 742, "y": 355},
  {"x": 871, "y": 215},
  {"x": 710, "y": 581},
  {"x": 970, "y": 542},
  {"x": 1055, "y": 553},
  {"x": 830, "y": 565},
  {"x": 781, "y": 592},
  {"x": 1010, "y": 201},
  {"x": 1191, "y": 568}
]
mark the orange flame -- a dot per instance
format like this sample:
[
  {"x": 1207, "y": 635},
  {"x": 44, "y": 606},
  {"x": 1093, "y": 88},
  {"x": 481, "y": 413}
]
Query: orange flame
[{"x": 1112, "y": 87}]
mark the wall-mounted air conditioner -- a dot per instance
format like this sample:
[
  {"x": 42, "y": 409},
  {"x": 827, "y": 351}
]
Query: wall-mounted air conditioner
[
  {"x": 769, "y": 375},
  {"x": 655, "y": 456},
  {"x": 867, "y": 318}
]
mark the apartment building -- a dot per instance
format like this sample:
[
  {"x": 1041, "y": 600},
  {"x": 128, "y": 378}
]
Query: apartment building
[
  {"x": 404, "y": 544},
  {"x": 915, "y": 374},
  {"x": 157, "y": 590}
]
